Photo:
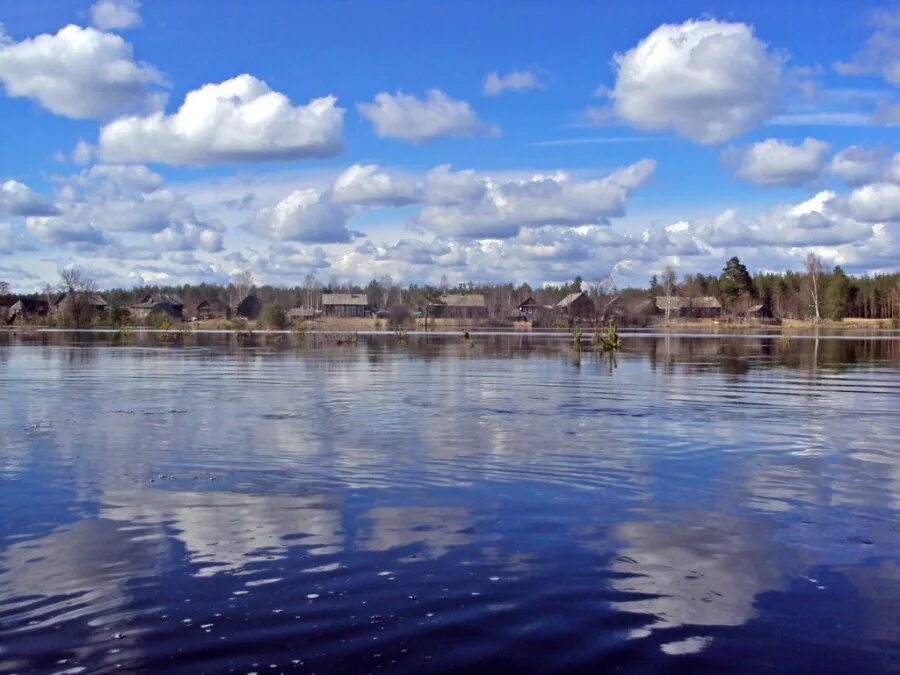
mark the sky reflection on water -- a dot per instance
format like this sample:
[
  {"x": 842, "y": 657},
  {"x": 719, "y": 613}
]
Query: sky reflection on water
[{"x": 439, "y": 506}]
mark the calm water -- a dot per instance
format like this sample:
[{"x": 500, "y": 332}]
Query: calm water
[{"x": 720, "y": 504}]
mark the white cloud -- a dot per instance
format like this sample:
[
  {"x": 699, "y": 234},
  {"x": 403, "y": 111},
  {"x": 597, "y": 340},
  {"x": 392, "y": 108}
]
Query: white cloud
[
  {"x": 239, "y": 120},
  {"x": 413, "y": 119},
  {"x": 892, "y": 172},
  {"x": 518, "y": 80},
  {"x": 858, "y": 165},
  {"x": 305, "y": 215},
  {"x": 78, "y": 234},
  {"x": 875, "y": 203},
  {"x": 83, "y": 153},
  {"x": 880, "y": 55},
  {"x": 11, "y": 240},
  {"x": 116, "y": 14},
  {"x": 817, "y": 221},
  {"x": 706, "y": 80},
  {"x": 17, "y": 199},
  {"x": 130, "y": 202},
  {"x": 369, "y": 185},
  {"x": 467, "y": 205},
  {"x": 80, "y": 73},
  {"x": 777, "y": 162}
]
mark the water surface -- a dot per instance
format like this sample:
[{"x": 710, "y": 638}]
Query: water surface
[{"x": 505, "y": 505}]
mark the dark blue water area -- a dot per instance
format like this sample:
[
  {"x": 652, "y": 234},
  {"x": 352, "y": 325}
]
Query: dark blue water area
[{"x": 507, "y": 506}]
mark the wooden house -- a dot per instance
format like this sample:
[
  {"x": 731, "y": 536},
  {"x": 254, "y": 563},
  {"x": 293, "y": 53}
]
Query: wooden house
[
  {"x": 346, "y": 305},
  {"x": 158, "y": 303},
  {"x": 459, "y": 306},
  {"x": 250, "y": 307},
  {"x": 213, "y": 309},
  {"x": 93, "y": 304},
  {"x": 529, "y": 307},
  {"x": 702, "y": 307},
  {"x": 26, "y": 310},
  {"x": 576, "y": 306}
]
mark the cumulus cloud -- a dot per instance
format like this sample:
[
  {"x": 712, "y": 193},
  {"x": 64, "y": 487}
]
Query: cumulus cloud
[
  {"x": 777, "y": 162},
  {"x": 858, "y": 165},
  {"x": 125, "y": 200},
  {"x": 818, "y": 221},
  {"x": 468, "y": 205},
  {"x": 71, "y": 233},
  {"x": 413, "y": 119},
  {"x": 17, "y": 199},
  {"x": 81, "y": 73},
  {"x": 305, "y": 215},
  {"x": 11, "y": 240},
  {"x": 875, "y": 203},
  {"x": 116, "y": 14},
  {"x": 880, "y": 55},
  {"x": 239, "y": 120},
  {"x": 518, "y": 80},
  {"x": 370, "y": 185},
  {"x": 706, "y": 80},
  {"x": 83, "y": 153}
]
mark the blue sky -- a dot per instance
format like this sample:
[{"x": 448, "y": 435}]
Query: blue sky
[{"x": 617, "y": 138}]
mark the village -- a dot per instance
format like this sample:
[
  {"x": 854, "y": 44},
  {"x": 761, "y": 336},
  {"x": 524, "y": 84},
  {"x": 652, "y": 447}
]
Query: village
[
  {"x": 734, "y": 297},
  {"x": 161, "y": 309}
]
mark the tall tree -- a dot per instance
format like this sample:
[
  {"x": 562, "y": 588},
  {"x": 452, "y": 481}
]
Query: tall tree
[
  {"x": 836, "y": 295},
  {"x": 75, "y": 309},
  {"x": 813, "y": 266},
  {"x": 668, "y": 284},
  {"x": 735, "y": 282}
]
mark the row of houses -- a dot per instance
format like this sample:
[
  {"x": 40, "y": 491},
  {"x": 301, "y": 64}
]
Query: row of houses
[
  {"x": 26, "y": 310},
  {"x": 574, "y": 306}
]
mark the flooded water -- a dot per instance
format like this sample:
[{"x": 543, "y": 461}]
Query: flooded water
[{"x": 505, "y": 505}]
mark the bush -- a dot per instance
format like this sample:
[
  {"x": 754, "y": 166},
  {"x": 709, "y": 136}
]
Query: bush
[
  {"x": 274, "y": 317},
  {"x": 159, "y": 320},
  {"x": 399, "y": 315}
]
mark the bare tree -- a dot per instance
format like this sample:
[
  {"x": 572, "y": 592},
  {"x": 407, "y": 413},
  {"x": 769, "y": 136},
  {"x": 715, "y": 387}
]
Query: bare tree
[
  {"x": 309, "y": 287},
  {"x": 669, "y": 287},
  {"x": 242, "y": 282},
  {"x": 75, "y": 308},
  {"x": 813, "y": 270},
  {"x": 4, "y": 288}
]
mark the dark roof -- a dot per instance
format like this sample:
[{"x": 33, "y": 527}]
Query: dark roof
[
  {"x": 528, "y": 302},
  {"x": 154, "y": 299},
  {"x": 29, "y": 305},
  {"x": 459, "y": 300},
  {"x": 214, "y": 304},
  {"x": 356, "y": 299}
]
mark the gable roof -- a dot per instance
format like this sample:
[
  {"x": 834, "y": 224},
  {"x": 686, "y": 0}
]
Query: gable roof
[
  {"x": 355, "y": 299},
  {"x": 153, "y": 299},
  {"x": 570, "y": 298},
  {"x": 463, "y": 300},
  {"x": 676, "y": 302},
  {"x": 213, "y": 304},
  {"x": 94, "y": 300},
  {"x": 529, "y": 302},
  {"x": 673, "y": 301}
]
